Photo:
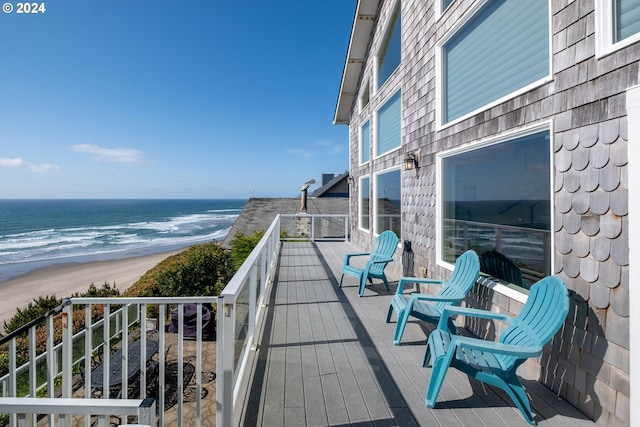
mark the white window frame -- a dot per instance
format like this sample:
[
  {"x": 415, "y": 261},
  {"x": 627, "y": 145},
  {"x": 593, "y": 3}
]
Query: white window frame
[
  {"x": 441, "y": 10},
  {"x": 360, "y": 227},
  {"x": 360, "y": 150},
  {"x": 604, "y": 30},
  {"x": 505, "y": 137},
  {"x": 375, "y": 117},
  {"x": 364, "y": 89},
  {"x": 374, "y": 197},
  {"x": 440, "y": 125}
]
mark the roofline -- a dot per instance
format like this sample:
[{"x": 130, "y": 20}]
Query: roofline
[{"x": 363, "y": 25}]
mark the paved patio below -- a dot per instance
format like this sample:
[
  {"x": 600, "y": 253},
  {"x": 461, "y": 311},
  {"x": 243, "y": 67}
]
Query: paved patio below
[{"x": 326, "y": 357}]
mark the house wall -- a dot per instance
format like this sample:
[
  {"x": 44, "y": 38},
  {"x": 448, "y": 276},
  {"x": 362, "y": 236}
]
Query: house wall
[{"x": 588, "y": 363}]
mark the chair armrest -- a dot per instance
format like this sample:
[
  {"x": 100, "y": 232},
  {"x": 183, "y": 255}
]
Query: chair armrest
[
  {"x": 347, "y": 257},
  {"x": 495, "y": 347},
  {"x": 436, "y": 298},
  {"x": 404, "y": 280},
  {"x": 471, "y": 312},
  {"x": 381, "y": 261}
]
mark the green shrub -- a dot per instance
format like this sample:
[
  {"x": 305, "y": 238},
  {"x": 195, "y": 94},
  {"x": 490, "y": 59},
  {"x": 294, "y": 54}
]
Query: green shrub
[
  {"x": 242, "y": 245},
  {"x": 38, "y": 307},
  {"x": 105, "y": 291},
  {"x": 201, "y": 270}
]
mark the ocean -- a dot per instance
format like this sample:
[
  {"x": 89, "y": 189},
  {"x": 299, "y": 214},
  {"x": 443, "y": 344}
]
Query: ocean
[{"x": 40, "y": 233}]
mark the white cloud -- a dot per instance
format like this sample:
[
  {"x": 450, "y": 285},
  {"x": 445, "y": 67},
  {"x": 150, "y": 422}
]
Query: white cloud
[
  {"x": 112, "y": 155},
  {"x": 300, "y": 152},
  {"x": 19, "y": 163},
  {"x": 330, "y": 147}
]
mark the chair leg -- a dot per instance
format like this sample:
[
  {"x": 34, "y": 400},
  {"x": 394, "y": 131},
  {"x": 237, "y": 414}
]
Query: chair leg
[
  {"x": 363, "y": 282},
  {"x": 438, "y": 373},
  {"x": 401, "y": 323},
  {"x": 516, "y": 392},
  {"x": 386, "y": 282},
  {"x": 341, "y": 277},
  {"x": 427, "y": 357},
  {"x": 389, "y": 313}
]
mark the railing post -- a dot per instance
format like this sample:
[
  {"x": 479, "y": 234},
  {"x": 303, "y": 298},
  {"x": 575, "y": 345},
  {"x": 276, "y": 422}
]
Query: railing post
[
  {"x": 346, "y": 228},
  {"x": 253, "y": 303},
  {"x": 313, "y": 228},
  {"x": 67, "y": 348},
  {"x": 264, "y": 257},
  {"x": 225, "y": 357}
]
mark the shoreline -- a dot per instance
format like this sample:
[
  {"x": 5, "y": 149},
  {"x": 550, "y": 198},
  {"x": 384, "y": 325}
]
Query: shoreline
[{"x": 64, "y": 279}]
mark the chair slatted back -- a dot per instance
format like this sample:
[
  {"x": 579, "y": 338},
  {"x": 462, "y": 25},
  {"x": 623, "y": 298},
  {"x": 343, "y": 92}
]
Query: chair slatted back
[
  {"x": 541, "y": 317},
  {"x": 384, "y": 248},
  {"x": 465, "y": 273}
]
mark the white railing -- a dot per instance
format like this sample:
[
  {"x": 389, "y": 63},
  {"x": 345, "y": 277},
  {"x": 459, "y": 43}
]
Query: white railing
[
  {"x": 144, "y": 410},
  {"x": 41, "y": 363},
  {"x": 239, "y": 309},
  {"x": 314, "y": 227}
]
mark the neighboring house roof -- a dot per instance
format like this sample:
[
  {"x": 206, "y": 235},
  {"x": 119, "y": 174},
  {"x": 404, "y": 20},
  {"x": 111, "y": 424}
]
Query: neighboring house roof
[
  {"x": 334, "y": 187},
  {"x": 258, "y": 214},
  {"x": 363, "y": 25}
]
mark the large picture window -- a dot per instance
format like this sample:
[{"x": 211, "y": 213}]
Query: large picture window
[
  {"x": 389, "y": 125},
  {"x": 497, "y": 198},
  {"x": 392, "y": 51},
  {"x": 364, "y": 142},
  {"x": 365, "y": 205},
  {"x": 501, "y": 50},
  {"x": 387, "y": 210}
]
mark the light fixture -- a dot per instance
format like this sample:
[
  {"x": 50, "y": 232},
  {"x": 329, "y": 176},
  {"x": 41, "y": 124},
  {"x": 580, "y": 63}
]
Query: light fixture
[{"x": 411, "y": 161}]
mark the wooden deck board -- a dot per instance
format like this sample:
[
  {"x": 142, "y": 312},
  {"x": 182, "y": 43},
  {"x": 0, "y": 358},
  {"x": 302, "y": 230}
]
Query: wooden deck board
[{"x": 326, "y": 357}]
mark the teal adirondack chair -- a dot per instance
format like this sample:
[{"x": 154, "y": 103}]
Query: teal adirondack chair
[
  {"x": 382, "y": 254},
  {"x": 429, "y": 307},
  {"x": 495, "y": 363}
]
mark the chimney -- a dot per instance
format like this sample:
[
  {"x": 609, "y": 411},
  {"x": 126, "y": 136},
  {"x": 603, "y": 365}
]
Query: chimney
[
  {"x": 326, "y": 177},
  {"x": 303, "y": 195}
]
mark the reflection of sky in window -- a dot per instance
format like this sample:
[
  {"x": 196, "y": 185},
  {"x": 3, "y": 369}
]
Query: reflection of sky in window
[
  {"x": 389, "y": 187},
  {"x": 391, "y": 58},
  {"x": 514, "y": 170}
]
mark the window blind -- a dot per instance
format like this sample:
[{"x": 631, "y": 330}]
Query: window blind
[
  {"x": 389, "y": 125},
  {"x": 503, "y": 48},
  {"x": 627, "y": 18}
]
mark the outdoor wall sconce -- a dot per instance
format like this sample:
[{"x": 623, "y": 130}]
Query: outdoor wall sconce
[{"x": 411, "y": 161}]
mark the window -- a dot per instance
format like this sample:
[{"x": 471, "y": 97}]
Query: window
[
  {"x": 498, "y": 198},
  {"x": 365, "y": 204},
  {"x": 364, "y": 142},
  {"x": 389, "y": 125},
  {"x": 617, "y": 24},
  {"x": 364, "y": 98},
  {"x": 391, "y": 52},
  {"x": 387, "y": 209},
  {"x": 503, "y": 49}
]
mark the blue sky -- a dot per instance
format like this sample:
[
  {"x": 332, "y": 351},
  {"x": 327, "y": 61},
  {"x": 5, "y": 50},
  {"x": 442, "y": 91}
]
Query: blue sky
[{"x": 171, "y": 98}]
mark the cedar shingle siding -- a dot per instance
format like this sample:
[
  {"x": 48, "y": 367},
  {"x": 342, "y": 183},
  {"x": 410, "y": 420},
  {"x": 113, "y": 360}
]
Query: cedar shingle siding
[{"x": 585, "y": 104}]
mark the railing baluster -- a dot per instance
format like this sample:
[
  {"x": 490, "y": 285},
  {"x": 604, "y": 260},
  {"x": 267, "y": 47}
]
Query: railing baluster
[
  {"x": 180, "y": 381},
  {"x": 162, "y": 362},
  {"x": 125, "y": 352},
  {"x": 106, "y": 356},
  {"x": 51, "y": 368},
  {"x": 198, "y": 363}
]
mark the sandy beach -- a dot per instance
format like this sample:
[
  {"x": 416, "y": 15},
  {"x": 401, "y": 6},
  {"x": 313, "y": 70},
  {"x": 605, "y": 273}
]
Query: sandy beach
[{"x": 65, "y": 279}]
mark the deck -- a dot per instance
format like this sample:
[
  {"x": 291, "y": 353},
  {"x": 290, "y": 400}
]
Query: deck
[{"x": 326, "y": 357}]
